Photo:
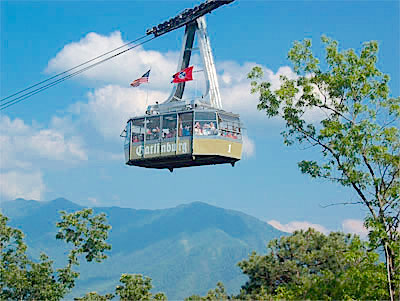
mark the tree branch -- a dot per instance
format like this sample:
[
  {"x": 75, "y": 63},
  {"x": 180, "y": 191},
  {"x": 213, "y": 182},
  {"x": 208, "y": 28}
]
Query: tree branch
[
  {"x": 371, "y": 171},
  {"x": 341, "y": 203},
  {"x": 358, "y": 190},
  {"x": 327, "y": 107}
]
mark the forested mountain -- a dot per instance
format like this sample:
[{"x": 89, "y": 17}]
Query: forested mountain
[{"x": 185, "y": 250}]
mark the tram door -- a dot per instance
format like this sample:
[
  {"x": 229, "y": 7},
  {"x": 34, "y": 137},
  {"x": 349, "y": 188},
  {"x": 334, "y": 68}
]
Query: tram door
[
  {"x": 127, "y": 141},
  {"x": 137, "y": 145},
  {"x": 185, "y": 133},
  {"x": 168, "y": 135},
  {"x": 152, "y": 137}
]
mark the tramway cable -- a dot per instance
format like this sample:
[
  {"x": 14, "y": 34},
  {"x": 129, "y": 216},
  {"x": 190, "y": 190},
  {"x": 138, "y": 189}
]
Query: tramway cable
[
  {"x": 183, "y": 19},
  {"x": 73, "y": 68},
  {"x": 62, "y": 79},
  {"x": 179, "y": 132}
]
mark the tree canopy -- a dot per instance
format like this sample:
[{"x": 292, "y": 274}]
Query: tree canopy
[
  {"x": 311, "y": 265},
  {"x": 355, "y": 126},
  {"x": 22, "y": 278},
  {"x": 132, "y": 287},
  {"x": 304, "y": 265}
]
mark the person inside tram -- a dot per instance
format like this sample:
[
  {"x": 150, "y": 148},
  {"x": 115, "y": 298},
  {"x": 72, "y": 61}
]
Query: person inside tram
[
  {"x": 213, "y": 130},
  {"x": 180, "y": 128},
  {"x": 164, "y": 133},
  {"x": 135, "y": 139},
  {"x": 206, "y": 129},
  {"x": 155, "y": 133},
  {"x": 171, "y": 133},
  {"x": 168, "y": 133},
  {"x": 197, "y": 128},
  {"x": 186, "y": 131}
]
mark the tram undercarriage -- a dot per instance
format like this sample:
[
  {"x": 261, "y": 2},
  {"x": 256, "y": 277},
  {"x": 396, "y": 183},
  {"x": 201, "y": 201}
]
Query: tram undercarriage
[{"x": 182, "y": 161}]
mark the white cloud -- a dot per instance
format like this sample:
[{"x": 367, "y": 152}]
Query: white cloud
[
  {"x": 93, "y": 200},
  {"x": 119, "y": 70},
  {"x": 234, "y": 85},
  {"x": 27, "y": 149},
  {"x": 297, "y": 225},
  {"x": 109, "y": 107},
  {"x": 186, "y": 245},
  {"x": 235, "y": 89},
  {"x": 236, "y": 98},
  {"x": 249, "y": 147},
  {"x": 50, "y": 144},
  {"x": 17, "y": 184},
  {"x": 355, "y": 226},
  {"x": 23, "y": 145}
]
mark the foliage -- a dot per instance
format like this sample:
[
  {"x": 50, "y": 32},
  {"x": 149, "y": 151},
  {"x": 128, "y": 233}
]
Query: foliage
[
  {"x": 86, "y": 233},
  {"x": 94, "y": 296},
  {"x": 135, "y": 287},
  {"x": 311, "y": 265},
  {"x": 355, "y": 126},
  {"x": 24, "y": 279},
  {"x": 217, "y": 294}
]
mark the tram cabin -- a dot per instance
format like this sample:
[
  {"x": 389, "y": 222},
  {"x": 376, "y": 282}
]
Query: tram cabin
[{"x": 191, "y": 137}]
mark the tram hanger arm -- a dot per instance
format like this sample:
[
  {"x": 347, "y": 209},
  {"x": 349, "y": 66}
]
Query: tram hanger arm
[{"x": 187, "y": 16}]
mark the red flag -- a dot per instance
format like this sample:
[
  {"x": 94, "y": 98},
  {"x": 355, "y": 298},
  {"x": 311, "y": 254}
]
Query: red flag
[{"x": 183, "y": 75}]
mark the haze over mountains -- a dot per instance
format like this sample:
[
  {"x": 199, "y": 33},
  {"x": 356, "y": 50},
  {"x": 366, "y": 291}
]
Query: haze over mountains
[{"x": 185, "y": 250}]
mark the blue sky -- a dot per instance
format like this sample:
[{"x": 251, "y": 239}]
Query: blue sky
[{"x": 65, "y": 141}]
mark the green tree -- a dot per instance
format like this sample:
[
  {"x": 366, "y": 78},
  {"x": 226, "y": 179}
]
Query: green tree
[
  {"x": 24, "y": 279},
  {"x": 135, "y": 287},
  {"x": 217, "y": 294},
  {"x": 94, "y": 296},
  {"x": 357, "y": 134},
  {"x": 311, "y": 265}
]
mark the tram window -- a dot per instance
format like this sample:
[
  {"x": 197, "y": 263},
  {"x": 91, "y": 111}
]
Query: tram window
[
  {"x": 169, "y": 126},
  {"x": 229, "y": 126},
  {"x": 152, "y": 128},
  {"x": 205, "y": 124},
  {"x": 205, "y": 116},
  {"x": 185, "y": 124},
  {"x": 205, "y": 128},
  {"x": 138, "y": 130}
]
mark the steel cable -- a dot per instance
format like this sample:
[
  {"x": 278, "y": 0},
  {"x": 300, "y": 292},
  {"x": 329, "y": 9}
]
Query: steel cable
[{"x": 53, "y": 83}]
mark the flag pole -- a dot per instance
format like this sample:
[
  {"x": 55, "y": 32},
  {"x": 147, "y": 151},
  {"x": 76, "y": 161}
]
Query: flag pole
[
  {"x": 147, "y": 92},
  {"x": 147, "y": 95}
]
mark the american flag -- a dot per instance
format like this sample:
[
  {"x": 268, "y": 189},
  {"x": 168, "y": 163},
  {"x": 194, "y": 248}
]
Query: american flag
[{"x": 143, "y": 79}]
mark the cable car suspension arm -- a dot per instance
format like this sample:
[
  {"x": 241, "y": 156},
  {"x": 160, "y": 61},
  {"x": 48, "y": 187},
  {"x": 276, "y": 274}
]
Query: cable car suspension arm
[{"x": 186, "y": 17}]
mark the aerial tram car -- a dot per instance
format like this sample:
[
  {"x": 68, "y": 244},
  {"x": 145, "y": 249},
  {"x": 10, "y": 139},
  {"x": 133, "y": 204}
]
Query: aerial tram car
[{"x": 186, "y": 132}]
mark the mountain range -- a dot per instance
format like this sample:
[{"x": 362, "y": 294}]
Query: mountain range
[{"x": 186, "y": 250}]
